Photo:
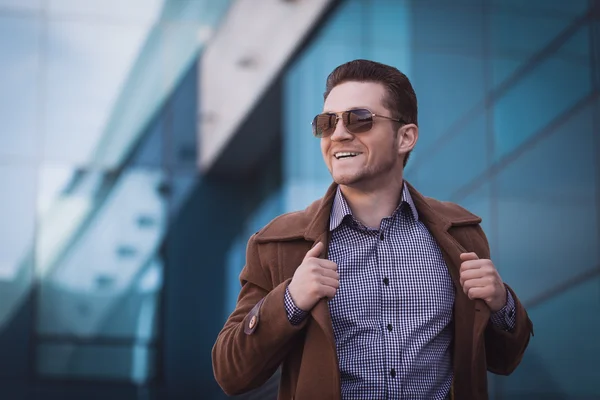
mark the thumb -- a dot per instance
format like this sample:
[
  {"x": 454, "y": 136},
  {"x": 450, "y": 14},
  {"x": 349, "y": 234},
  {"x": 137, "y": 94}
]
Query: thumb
[
  {"x": 468, "y": 256},
  {"x": 315, "y": 251}
]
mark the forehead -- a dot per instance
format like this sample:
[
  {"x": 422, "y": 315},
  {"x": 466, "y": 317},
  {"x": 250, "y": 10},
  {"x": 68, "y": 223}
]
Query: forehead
[{"x": 355, "y": 95}]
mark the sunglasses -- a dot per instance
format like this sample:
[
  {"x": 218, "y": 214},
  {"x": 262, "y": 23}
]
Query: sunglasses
[{"x": 356, "y": 121}]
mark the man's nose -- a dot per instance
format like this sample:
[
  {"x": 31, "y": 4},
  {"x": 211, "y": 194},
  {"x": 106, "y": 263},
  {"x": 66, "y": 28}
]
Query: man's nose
[{"x": 340, "y": 132}]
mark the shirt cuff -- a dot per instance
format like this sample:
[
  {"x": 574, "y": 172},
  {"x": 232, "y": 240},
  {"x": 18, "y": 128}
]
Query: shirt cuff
[
  {"x": 505, "y": 318},
  {"x": 294, "y": 314}
]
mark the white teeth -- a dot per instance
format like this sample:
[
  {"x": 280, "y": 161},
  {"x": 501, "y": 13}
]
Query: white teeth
[{"x": 341, "y": 155}]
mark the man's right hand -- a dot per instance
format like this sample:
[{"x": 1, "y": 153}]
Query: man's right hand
[{"x": 314, "y": 279}]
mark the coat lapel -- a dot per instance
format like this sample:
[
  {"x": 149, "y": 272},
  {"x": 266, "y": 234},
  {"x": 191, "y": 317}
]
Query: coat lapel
[
  {"x": 470, "y": 317},
  {"x": 318, "y": 231}
]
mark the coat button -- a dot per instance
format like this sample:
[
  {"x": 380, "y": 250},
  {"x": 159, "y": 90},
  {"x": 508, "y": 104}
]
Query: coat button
[{"x": 252, "y": 323}]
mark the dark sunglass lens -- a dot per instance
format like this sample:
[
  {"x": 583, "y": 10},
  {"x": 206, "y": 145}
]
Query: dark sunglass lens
[
  {"x": 323, "y": 125},
  {"x": 358, "y": 121}
]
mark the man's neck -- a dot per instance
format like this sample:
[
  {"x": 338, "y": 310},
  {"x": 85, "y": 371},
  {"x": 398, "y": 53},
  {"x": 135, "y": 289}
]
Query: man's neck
[{"x": 371, "y": 206}]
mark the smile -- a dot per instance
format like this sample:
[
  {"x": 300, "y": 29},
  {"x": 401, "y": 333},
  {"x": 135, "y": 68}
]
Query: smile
[{"x": 341, "y": 155}]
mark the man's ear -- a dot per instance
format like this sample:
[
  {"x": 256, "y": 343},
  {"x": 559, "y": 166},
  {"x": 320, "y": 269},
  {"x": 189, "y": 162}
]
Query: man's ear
[{"x": 407, "y": 138}]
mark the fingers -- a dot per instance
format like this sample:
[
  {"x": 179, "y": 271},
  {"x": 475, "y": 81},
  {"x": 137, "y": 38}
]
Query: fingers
[
  {"x": 482, "y": 293},
  {"x": 328, "y": 291},
  {"x": 330, "y": 282},
  {"x": 326, "y": 264},
  {"x": 330, "y": 273},
  {"x": 475, "y": 283},
  {"x": 468, "y": 257},
  {"x": 315, "y": 251},
  {"x": 475, "y": 273},
  {"x": 477, "y": 264}
]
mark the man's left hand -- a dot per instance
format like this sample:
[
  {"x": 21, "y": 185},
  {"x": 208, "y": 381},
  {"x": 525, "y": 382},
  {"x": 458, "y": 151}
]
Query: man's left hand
[{"x": 480, "y": 280}]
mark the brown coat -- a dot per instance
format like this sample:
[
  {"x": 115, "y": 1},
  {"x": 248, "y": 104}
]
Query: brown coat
[{"x": 258, "y": 338}]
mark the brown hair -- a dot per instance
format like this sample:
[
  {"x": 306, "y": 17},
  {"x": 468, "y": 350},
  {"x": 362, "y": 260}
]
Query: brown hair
[{"x": 401, "y": 99}]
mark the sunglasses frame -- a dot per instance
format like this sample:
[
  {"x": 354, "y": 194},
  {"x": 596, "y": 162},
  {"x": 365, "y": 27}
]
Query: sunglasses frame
[{"x": 339, "y": 115}]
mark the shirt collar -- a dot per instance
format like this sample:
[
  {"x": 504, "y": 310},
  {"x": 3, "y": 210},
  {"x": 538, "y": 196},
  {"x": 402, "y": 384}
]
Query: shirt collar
[{"x": 340, "y": 208}]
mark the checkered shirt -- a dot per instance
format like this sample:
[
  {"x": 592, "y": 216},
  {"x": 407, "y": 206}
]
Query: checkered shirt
[{"x": 393, "y": 311}]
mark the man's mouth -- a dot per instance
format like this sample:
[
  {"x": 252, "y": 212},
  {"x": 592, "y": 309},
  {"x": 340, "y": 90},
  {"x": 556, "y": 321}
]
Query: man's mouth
[{"x": 341, "y": 155}]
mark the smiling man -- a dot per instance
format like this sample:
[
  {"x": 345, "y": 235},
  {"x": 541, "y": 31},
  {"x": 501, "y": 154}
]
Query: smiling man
[{"x": 373, "y": 291}]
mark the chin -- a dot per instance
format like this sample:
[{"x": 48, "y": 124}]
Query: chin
[{"x": 346, "y": 180}]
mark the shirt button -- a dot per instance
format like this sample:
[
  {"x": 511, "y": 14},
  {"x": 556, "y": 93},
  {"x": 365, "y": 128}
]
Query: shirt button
[
  {"x": 381, "y": 236},
  {"x": 386, "y": 281},
  {"x": 390, "y": 327},
  {"x": 393, "y": 373}
]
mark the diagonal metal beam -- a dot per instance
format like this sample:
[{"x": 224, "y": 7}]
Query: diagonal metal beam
[
  {"x": 536, "y": 138},
  {"x": 563, "y": 287},
  {"x": 494, "y": 95}
]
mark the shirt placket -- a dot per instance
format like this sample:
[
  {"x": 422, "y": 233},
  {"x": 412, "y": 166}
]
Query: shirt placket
[{"x": 389, "y": 297}]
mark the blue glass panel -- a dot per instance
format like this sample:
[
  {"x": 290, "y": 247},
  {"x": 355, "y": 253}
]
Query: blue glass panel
[
  {"x": 447, "y": 87},
  {"x": 135, "y": 363},
  {"x": 562, "y": 359},
  {"x": 547, "y": 210},
  {"x": 234, "y": 262},
  {"x": 19, "y": 80},
  {"x": 86, "y": 69},
  {"x": 397, "y": 56},
  {"x": 150, "y": 151},
  {"x": 16, "y": 267},
  {"x": 448, "y": 27},
  {"x": 182, "y": 148},
  {"x": 457, "y": 163},
  {"x": 389, "y": 26},
  {"x": 94, "y": 252},
  {"x": 513, "y": 46},
  {"x": 558, "y": 8},
  {"x": 181, "y": 185},
  {"x": 346, "y": 25},
  {"x": 25, "y": 5},
  {"x": 538, "y": 99}
]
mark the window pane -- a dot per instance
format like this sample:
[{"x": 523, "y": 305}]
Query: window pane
[
  {"x": 87, "y": 67},
  {"x": 19, "y": 80},
  {"x": 132, "y": 11},
  {"x": 558, "y": 8},
  {"x": 517, "y": 39},
  {"x": 547, "y": 210},
  {"x": 445, "y": 94},
  {"x": 562, "y": 358},
  {"x": 16, "y": 267},
  {"x": 27, "y": 5},
  {"x": 462, "y": 158},
  {"x": 135, "y": 363},
  {"x": 97, "y": 257},
  {"x": 448, "y": 27},
  {"x": 541, "y": 97}
]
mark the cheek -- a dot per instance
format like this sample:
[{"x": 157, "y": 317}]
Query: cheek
[{"x": 324, "y": 147}]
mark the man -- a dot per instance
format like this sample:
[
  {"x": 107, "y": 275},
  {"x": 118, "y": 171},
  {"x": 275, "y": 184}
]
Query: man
[{"x": 374, "y": 291}]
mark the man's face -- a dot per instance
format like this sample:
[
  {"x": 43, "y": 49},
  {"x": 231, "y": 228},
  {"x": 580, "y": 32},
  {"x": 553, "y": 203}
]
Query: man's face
[{"x": 377, "y": 160}]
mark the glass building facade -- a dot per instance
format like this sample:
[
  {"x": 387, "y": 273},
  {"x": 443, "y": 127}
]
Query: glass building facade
[
  {"x": 119, "y": 260},
  {"x": 509, "y": 124}
]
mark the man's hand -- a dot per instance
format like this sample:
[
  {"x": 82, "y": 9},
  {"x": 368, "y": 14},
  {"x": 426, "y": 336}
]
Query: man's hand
[
  {"x": 314, "y": 279},
  {"x": 480, "y": 280}
]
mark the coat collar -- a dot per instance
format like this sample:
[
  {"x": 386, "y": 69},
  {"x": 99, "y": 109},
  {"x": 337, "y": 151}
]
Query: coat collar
[{"x": 312, "y": 223}]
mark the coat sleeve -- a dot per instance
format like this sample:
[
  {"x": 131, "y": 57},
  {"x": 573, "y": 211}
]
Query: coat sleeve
[
  {"x": 505, "y": 349},
  {"x": 257, "y": 335}
]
